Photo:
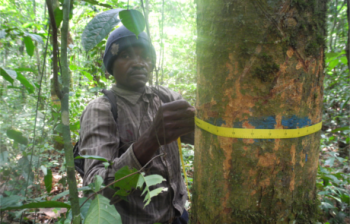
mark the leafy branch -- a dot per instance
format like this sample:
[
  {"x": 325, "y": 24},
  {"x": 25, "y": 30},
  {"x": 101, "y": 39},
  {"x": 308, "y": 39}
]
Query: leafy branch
[{"x": 120, "y": 179}]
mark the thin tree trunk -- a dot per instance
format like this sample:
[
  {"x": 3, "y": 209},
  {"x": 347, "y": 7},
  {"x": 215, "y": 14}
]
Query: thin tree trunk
[
  {"x": 347, "y": 49},
  {"x": 148, "y": 29},
  {"x": 73, "y": 192},
  {"x": 50, "y": 9},
  {"x": 260, "y": 66}
]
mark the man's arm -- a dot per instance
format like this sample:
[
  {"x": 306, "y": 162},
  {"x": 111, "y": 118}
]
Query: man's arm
[{"x": 99, "y": 137}]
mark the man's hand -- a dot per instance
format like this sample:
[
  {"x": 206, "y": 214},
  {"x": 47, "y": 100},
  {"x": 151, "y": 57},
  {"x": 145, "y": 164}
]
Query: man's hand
[{"x": 173, "y": 120}]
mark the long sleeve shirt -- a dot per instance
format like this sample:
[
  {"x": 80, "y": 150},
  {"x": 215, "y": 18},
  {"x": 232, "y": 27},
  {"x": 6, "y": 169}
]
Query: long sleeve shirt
[{"x": 99, "y": 135}]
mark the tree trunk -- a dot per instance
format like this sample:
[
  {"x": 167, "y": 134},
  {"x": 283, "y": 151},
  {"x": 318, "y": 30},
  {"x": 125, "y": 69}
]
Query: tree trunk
[
  {"x": 72, "y": 184},
  {"x": 260, "y": 65},
  {"x": 347, "y": 49}
]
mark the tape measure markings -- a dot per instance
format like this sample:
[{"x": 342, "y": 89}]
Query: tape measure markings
[{"x": 257, "y": 133}]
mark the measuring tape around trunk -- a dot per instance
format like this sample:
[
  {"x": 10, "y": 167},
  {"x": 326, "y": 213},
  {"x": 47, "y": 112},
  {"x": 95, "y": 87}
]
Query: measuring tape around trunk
[{"x": 257, "y": 133}]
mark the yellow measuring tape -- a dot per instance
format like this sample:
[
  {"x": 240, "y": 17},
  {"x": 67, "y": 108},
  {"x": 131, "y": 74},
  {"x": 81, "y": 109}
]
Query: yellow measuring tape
[
  {"x": 257, "y": 133},
  {"x": 183, "y": 166},
  {"x": 248, "y": 133}
]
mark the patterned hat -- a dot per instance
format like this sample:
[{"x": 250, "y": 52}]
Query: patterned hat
[{"x": 120, "y": 39}]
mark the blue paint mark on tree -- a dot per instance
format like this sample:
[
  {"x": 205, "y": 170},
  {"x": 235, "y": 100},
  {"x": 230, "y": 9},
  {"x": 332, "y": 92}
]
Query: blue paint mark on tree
[
  {"x": 266, "y": 122},
  {"x": 295, "y": 122},
  {"x": 263, "y": 122}
]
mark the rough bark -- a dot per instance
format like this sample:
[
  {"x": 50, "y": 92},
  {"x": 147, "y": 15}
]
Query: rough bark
[
  {"x": 260, "y": 65},
  {"x": 73, "y": 192}
]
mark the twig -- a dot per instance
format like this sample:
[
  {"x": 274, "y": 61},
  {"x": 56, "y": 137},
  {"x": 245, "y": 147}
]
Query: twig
[
  {"x": 39, "y": 92},
  {"x": 112, "y": 183}
]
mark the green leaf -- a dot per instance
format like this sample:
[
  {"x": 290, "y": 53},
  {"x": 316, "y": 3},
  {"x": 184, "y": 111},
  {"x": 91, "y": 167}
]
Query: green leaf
[
  {"x": 30, "y": 88},
  {"x": 48, "y": 181},
  {"x": 11, "y": 201},
  {"x": 28, "y": 42},
  {"x": 101, "y": 212},
  {"x": 3, "y": 158},
  {"x": 333, "y": 64},
  {"x": 85, "y": 208},
  {"x": 75, "y": 126},
  {"x": 329, "y": 162},
  {"x": 122, "y": 192},
  {"x": 326, "y": 205},
  {"x": 137, "y": 181},
  {"x": 25, "y": 70},
  {"x": 344, "y": 60},
  {"x": 99, "y": 27},
  {"x": 151, "y": 194},
  {"x": 345, "y": 198},
  {"x": 88, "y": 75},
  {"x": 35, "y": 37},
  {"x": 332, "y": 55},
  {"x": 140, "y": 181},
  {"x": 154, "y": 179},
  {"x": 106, "y": 164},
  {"x": 17, "y": 136},
  {"x": 129, "y": 182},
  {"x": 133, "y": 20},
  {"x": 98, "y": 183},
  {"x": 99, "y": 158},
  {"x": 8, "y": 74},
  {"x": 44, "y": 204},
  {"x": 58, "y": 13},
  {"x": 341, "y": 129}
]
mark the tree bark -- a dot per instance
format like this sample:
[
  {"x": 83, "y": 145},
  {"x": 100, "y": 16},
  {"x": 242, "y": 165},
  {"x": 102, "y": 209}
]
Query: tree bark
[
  {"x": 73, "y": 192},
  {"x": 260, "y": 65}
]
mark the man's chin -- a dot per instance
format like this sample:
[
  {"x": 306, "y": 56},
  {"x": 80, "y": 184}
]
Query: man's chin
[{"x": 135, "y": 85}]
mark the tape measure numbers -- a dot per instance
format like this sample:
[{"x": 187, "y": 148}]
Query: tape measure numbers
[{"x": 257, "y": 133}]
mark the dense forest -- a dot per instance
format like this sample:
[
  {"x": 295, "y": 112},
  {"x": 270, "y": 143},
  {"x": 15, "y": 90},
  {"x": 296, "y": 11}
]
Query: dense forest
[{"x": 33, "y": 168}]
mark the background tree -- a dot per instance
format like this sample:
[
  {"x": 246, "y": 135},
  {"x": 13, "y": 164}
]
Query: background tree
[{"x": 260, "y": 65}]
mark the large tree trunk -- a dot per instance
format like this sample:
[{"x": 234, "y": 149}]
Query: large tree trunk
[{"x": 260, "y": 65}]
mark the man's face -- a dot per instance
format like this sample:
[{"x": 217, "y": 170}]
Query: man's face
[{"x": 132, "y": 68}]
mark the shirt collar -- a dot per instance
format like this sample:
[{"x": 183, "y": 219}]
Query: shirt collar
[{"x": 132, "y": 96}]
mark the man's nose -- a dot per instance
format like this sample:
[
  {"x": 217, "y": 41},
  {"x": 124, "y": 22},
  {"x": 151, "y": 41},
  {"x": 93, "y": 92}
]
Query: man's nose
[{"x": 139, "y": 61}]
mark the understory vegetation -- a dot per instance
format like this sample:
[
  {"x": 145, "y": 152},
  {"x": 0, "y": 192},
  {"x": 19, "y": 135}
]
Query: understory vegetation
[{"x": 32, "y": 163}]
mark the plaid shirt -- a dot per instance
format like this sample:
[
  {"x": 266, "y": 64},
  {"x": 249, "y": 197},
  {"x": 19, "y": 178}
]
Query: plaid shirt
[{"x": 100, "y": 136}]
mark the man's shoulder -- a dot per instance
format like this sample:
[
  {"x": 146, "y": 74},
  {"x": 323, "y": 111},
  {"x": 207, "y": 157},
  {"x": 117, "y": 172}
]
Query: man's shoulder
[{"x": 100, "y": 102}]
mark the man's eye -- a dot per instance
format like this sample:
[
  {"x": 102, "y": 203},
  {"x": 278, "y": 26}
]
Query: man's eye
[{"x": 147, "y": 57}]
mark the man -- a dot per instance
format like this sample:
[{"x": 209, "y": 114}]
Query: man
[{"x": 146, "y": 125}]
